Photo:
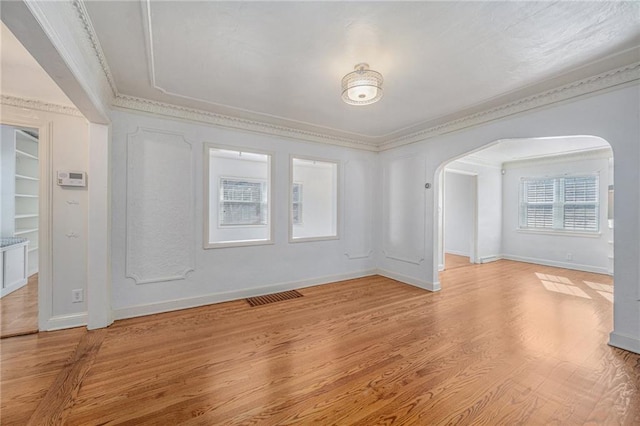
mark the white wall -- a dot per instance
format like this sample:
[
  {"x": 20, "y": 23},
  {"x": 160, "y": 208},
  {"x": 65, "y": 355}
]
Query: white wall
[
  {"x": 459, "y": 205},
  {"x": 611, "y": 115},
  {"x": 586, "y": 252},
  {"x": 223, "y": 273},
  {"x": 489, "y": 226},
  {"x": 65, "y": 137}
]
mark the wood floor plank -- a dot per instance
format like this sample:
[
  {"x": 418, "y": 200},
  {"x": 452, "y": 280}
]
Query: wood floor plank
[
  {"x": 19, "y": 310},
  {"x": 495, "y": 346}
]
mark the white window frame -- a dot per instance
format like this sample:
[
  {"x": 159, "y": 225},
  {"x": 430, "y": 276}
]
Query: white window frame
[
  {"x": 206, "y": 201},
  {"x": 338, "y": 199},
  {"x": 558, "y": 205}
]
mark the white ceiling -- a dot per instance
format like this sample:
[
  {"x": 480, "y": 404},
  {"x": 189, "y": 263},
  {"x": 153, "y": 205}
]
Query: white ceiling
[
  {"x": 21, "y": 76},
  {"x": 525, "y": 149},
  {"x": 282, "y": 62}
]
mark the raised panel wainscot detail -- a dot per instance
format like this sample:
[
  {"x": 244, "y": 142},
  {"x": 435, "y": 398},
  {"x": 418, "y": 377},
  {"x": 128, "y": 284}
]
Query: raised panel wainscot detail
[
  {"x": 404, "y": 209},
  {"x": 160, "y": 207}
]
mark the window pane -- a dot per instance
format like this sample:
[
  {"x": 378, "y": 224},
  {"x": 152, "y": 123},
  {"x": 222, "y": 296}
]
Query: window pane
[
  {"x": 319, "y": 217},
  {"x": 239, "y": 206},
  {"x": 539, "y": 216},
  {"x": 581, "y": 218},
  {"x": 581, "y": 189}
]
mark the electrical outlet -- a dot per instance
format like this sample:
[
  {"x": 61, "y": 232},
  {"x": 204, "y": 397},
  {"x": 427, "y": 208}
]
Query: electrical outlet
[
  {"x": 569, "y": 256},
  {"x": 77, "y": 295}
]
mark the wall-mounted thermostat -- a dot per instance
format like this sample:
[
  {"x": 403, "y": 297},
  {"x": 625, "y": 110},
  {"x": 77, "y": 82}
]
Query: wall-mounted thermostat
[{"x": 72, "y": 179}]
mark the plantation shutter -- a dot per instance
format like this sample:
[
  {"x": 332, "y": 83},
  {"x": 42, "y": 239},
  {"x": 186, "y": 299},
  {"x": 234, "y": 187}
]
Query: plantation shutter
[
  {"x": 581, "y": 203},
  {"x": 538, "y": 196}
]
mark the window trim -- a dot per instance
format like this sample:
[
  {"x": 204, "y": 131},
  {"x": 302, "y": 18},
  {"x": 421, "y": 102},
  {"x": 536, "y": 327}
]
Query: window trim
[
  {"x": 555, "y": 203},
  {"x": 338, "y": 199},
  {"x": 300, "y": 202},
  {"x": 207, "y": 146}
]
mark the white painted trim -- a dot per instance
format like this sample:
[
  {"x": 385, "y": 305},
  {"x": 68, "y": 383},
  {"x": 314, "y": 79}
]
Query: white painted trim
[
  {"x": 559, "y": 233},
  {"x": 192, "y": 302},
  {"x": 416, "y": 282},
  {"x": 611, "y": 79},
  {"x": 563, "y": 157},
  {"x": 359, "y": 256},
  {"x": 99, "y": 228},
  {"x": 403, "y": 259},
  {"x": 207, "y": 146},
  {"x": 565, "y": 265},
  {"x": 39, "y": 105},
  {"x": 490, "y": 258},
  {"x": 61, "y": 322},
  {"x": 623, "y": 341}
]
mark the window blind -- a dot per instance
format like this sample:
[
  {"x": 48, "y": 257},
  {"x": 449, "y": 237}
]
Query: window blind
[{"x": 243, "y": 202}]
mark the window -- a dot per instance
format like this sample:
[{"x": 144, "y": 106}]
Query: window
[
  {"x": 296, "y": 203},
  {"x": 562, "y": 203},
  {"x": 243, "y": 202},
  {"x": 238, "y": 208},
  {"x": 318, "y": 220}
]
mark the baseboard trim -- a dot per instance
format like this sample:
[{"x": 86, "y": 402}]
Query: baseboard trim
[
  {"x": 60, "y": 322},
  {"x": 565, "y": 265},
  {"x": 194, "y": 302},
  {"x": 409, "y": 280},
  {"x": 622, "y": 341},
  {"x": 491, "y": 258}
]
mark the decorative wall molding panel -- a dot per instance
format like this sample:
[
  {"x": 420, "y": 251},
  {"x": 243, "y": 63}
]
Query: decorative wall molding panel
[
  {"x": 358, "y": 208},
  {"x": 404, "y": 209},
  {"x": 603, "y": 81},
  {"x": 38, "y": 105},
  {"x": 160, "y": 207}
]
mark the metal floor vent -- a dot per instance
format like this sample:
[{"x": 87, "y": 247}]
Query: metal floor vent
[{"x": 272, "y": 298}]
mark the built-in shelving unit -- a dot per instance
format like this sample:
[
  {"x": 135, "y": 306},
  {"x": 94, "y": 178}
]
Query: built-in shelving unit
[{"x": 26, "y": 194}]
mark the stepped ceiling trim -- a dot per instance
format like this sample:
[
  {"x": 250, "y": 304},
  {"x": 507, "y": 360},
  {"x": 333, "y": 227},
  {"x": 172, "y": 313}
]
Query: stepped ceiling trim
[
  {"x": 39, "y": 105},
  {"x": 607, "y": 80}
]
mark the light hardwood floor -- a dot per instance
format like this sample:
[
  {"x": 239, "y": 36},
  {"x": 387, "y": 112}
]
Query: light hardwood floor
[
  {"x": 452, "y": 261},
  {"x": 19, "y": 310},
  {"x": 502, "y": 343}
]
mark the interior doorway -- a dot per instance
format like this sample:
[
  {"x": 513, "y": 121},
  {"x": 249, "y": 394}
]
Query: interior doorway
[
  {"x": 460, "y": 190},
  {"x": 20, "y": 223}
]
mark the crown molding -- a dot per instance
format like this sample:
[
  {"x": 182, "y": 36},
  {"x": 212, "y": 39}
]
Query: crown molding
[
  {"x": 603, "y": 81},
  {"x": 201, "y": 116},
  {"x": 94, "y": 43},
  {"x": 39, "y": 105}
]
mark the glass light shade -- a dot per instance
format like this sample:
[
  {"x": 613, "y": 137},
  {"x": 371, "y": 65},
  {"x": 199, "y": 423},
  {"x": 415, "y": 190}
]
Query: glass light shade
[{"x": 362, "y": 86}]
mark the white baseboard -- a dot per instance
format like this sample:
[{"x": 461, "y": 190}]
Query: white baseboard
[
  {"x": 489, "y": 259},
  {"x": 192, "y": 302},
  {"x": 13, "y": 287},
  {"x": 628, "y": 343},
  {"x": 565, "y": 265},
  {"x": 409, "y": 280},
  {"x": 66, "y": 321}
]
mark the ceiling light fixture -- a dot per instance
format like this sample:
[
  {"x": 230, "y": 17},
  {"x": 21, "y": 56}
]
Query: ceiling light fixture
[{"x": 362, "y": 86}]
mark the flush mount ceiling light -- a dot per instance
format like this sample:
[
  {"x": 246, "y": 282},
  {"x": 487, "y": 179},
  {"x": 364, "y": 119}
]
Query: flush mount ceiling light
[{"x": 362, "y": 86}]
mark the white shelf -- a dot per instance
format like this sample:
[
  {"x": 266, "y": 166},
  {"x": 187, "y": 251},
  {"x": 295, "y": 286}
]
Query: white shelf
[
  {"x": 26, "y": 196},
  {"x": 25, "y": 216},
  {"x": 25, "y": 154},
  {"x": 27, "y": 177},
  {"x": 25, "y": 231}
]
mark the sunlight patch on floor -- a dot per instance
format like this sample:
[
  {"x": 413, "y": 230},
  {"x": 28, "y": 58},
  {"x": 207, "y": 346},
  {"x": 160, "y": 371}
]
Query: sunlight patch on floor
[
  {"x": 554, "y": 278},
  {"x": 564, "y": 289},
  {"x": 598, "y": 286},
  {"x": 606, "y": 295}
]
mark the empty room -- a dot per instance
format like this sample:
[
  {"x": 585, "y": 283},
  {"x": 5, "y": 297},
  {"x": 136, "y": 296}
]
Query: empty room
[{"x": 334, "y": 213}]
